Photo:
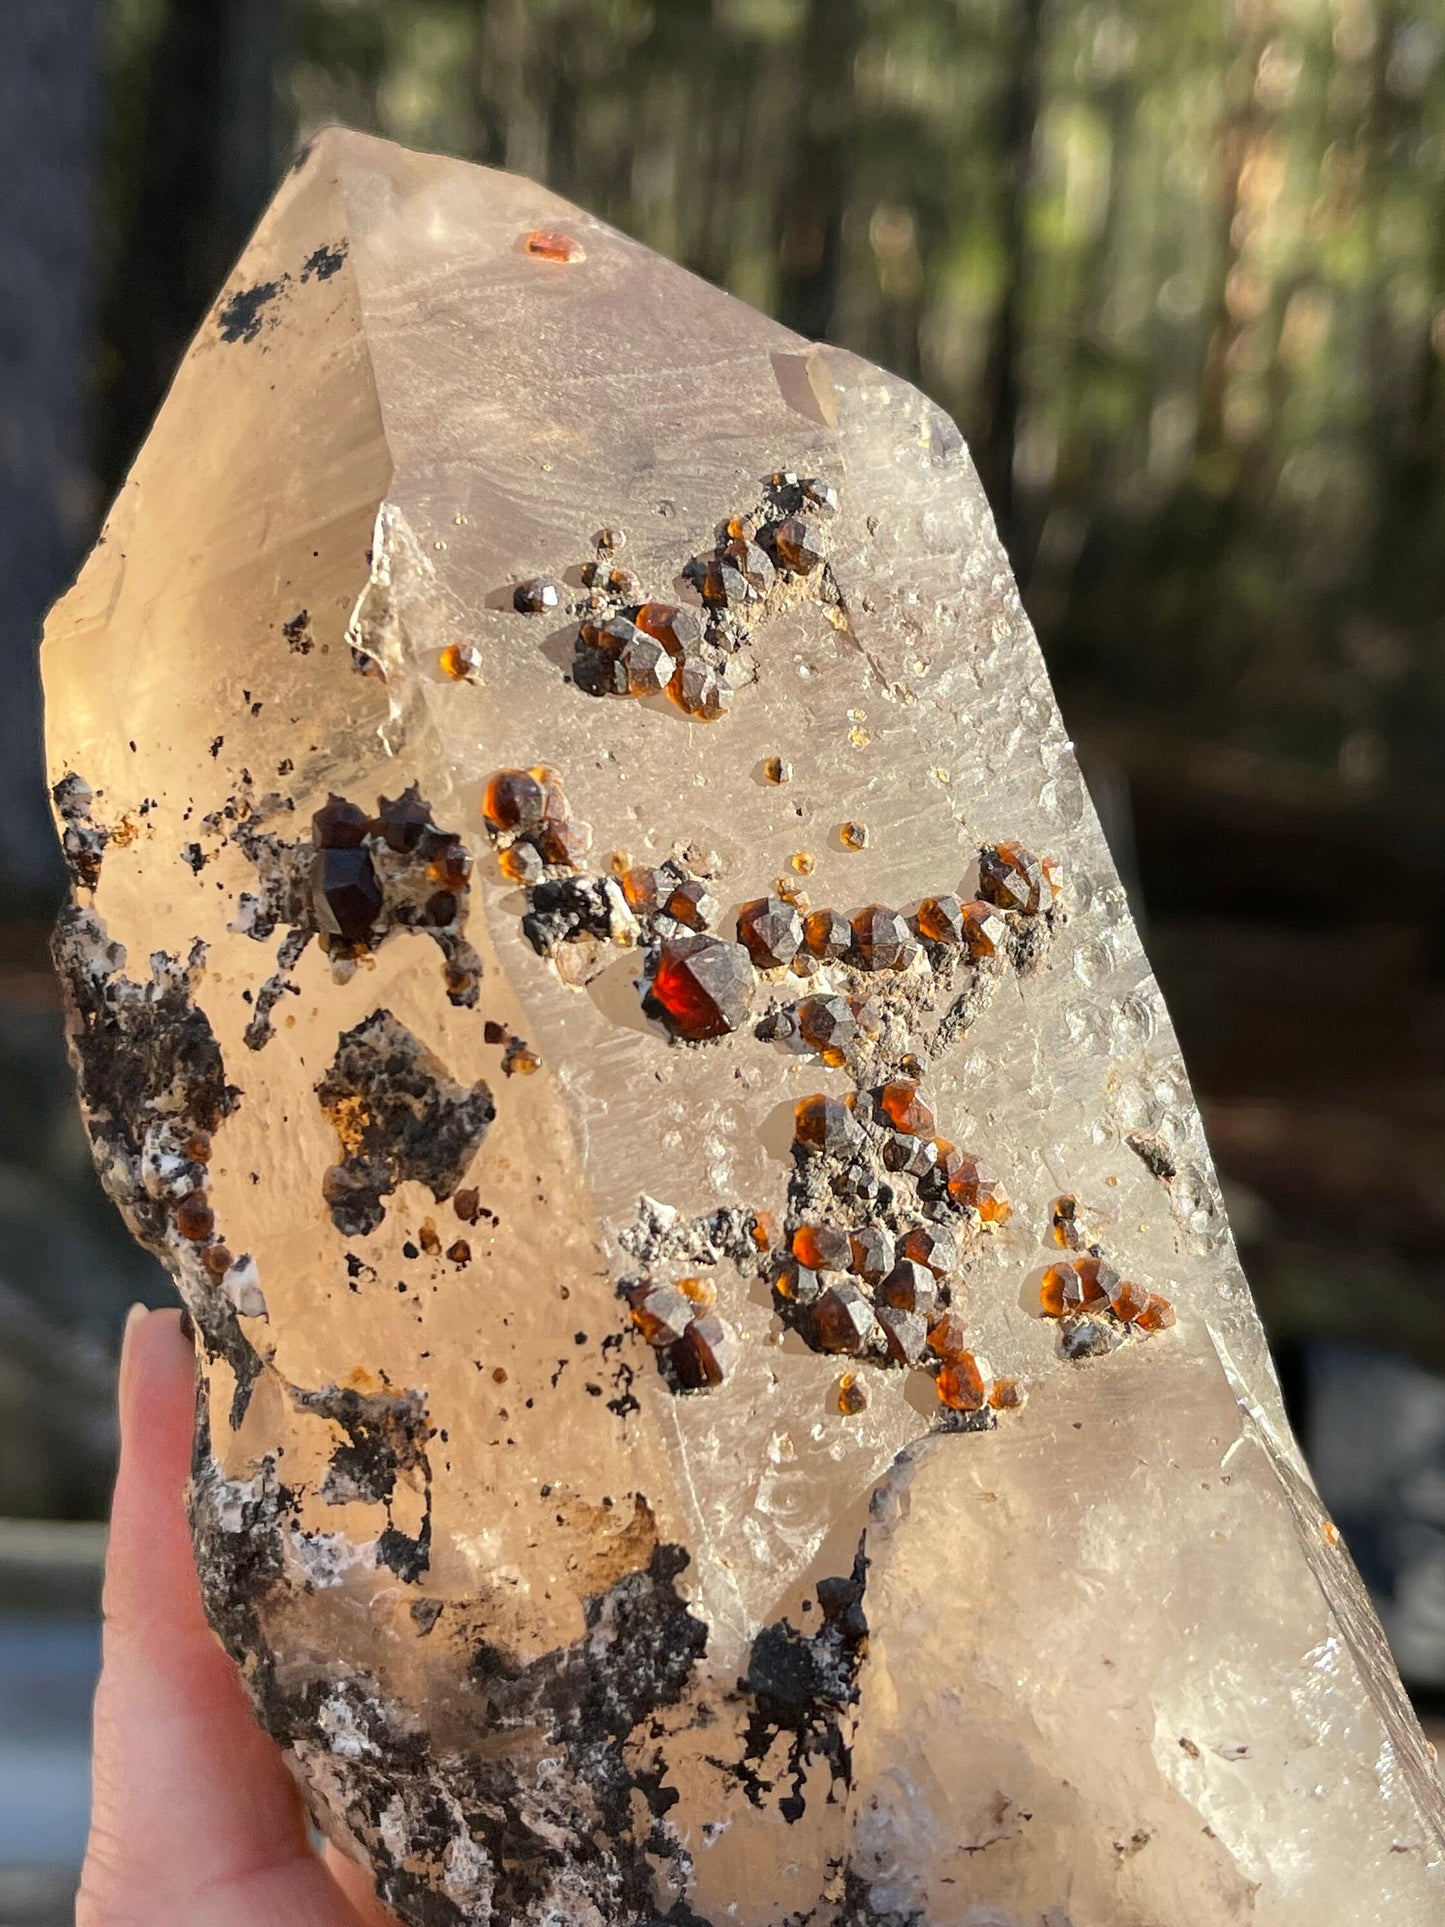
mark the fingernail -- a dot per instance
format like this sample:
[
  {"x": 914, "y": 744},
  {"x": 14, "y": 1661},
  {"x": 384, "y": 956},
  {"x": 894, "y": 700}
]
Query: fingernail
[{"x": 135, "y": 1316}]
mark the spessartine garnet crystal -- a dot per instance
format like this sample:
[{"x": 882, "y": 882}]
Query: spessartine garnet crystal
[{"x": 636, "y": 1436}]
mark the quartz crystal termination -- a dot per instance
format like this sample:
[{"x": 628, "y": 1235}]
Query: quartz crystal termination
[{"x": 726, "y": 1391}]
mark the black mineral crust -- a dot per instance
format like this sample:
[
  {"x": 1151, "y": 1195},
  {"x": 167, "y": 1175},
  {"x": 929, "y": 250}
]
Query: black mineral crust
[{"x": 398, "y": 1114}]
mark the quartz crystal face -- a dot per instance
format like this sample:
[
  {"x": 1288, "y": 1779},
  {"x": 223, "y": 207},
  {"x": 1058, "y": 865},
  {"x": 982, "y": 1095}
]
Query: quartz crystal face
[{"x": 726, "y": 1395}]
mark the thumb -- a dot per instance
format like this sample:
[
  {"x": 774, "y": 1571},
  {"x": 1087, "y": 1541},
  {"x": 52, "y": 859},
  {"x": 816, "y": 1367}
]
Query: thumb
[{"x": 196, "y": 1821}]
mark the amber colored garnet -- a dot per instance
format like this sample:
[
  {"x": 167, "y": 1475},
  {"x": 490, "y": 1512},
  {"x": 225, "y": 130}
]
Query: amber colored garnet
[
  {"x": 699, "y": 690},
  {"x": 949, "y": 1337},
  {"x": 692, "y": 903},
  {"x": 772, "y": 930},
  {"x": 1064, "y": 1222},
  {"x": 853, "y": 835},
  {"x": 646, "y": 666},
  {"x": 1097, "y": 1278},
  {"x": 551, "y": 244},
  {"x": 661, "y": 1313},
  {"x": 905, "y": 1109},
  {"x": 1058, "y": 1287},
  {"x": 339, "y": 825},
  {"x": 828, "y": 1025},
  {"x": 871, "y": 1253},
  {"x": 217, "y": 1260},
  {"x": 195, "y": 1219},
  {"x": 1010, "y": 876},
  {"x": 984, "y": 930},
  {"x": 1157, "y": 1315},
  {"x": 704, "y": 1354},
  {"x": 852, "y": 1395},
  {"x": 1007, "y": 1395},
  {"x": 828, "y": 935},
  {"x": 796, "y": 546},
  {"x": 881, "y": 939},
  {"x": 1128, "y": 1301},
  {"x": 676, "y": 629},
  {"x": 460, "y": 661},
  {"x": 565, "y": 842},
  {"x": 940, "y": 919},
  {"x": 825, "y": 1124},
  {"x": 700, "y": 1292},
  {"x": 460, "y": 1252},
  {"x": 522, "y": 863},
  {"x": 467, "y": 1205},
  {"x": 705, "y": 986},
  {"x": 641, "y": 887},
  {"x": 777, "y": 771},
  {"x": 514, "y": 799},
  {"x": 933, "y": 1245},
  {"x": 536, "y": 596},
  {"x": 909, "y": 1286},
  {"x": 823, "y": 1247},
  {"x": 970, "y": 1186},
  {"x": 451, "y": 865},
  {"x": 961, "y": 1384},
  {"x": 905, "y": 1333},
  {"x": 841, "y": 1320}
]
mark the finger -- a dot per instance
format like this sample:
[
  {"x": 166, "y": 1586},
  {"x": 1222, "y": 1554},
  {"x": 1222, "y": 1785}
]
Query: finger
[
  {"x": 359, "y": 1889},
  {"x": 195, "y": 1818}
]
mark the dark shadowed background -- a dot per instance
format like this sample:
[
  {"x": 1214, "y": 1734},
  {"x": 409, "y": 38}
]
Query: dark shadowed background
[{"x": 1178, "y": 269}]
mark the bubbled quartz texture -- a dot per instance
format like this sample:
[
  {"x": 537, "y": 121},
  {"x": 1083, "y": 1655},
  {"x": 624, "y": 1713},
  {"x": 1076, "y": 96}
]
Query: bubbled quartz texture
[{"x": 726, "y": 1391}]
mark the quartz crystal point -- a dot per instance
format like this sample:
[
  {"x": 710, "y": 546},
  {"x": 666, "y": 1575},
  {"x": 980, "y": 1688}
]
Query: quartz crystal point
[{"x": 613, "y": 1472}]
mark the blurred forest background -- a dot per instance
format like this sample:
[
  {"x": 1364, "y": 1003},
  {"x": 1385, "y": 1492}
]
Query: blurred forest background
[{"x": 1178, "y": 269}]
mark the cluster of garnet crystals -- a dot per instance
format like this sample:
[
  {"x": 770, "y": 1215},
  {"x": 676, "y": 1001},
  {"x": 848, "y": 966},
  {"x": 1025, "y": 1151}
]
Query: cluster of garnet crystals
[
  {"x": 696, "y": 1348},
  {"x": 527, "y": 815},
  {"x": 1090, "y": 1284},
  {"x": 347, "y": 896},
  {"x": 871, "y": 1293}
]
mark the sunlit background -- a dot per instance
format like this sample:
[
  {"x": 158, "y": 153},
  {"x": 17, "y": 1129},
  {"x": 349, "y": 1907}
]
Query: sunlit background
[{"x": 1178, "y": 269}]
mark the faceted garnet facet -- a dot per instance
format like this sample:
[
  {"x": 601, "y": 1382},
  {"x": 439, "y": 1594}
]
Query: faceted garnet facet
[{"x": 706, "y": 987}]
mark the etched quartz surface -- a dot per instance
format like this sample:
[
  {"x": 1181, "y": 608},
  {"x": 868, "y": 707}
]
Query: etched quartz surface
[{"x": 727, "y": 1395}]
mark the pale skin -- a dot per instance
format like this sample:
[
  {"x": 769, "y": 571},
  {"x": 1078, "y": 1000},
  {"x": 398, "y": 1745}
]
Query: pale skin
[{"x": 196, "y": 1820}]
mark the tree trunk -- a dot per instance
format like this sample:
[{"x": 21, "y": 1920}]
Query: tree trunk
[{"x": 47, "y": 164}]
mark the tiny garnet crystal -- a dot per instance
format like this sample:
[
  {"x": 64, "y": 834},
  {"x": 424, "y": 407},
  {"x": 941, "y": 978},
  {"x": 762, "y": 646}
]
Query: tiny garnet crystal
[
  {"x": 823, "y": 1247},
  {"x": 933, "y": 1245},
  {"x": 881, "y": 939},
  {"x": 646, "y": 665},
  {"x": 704, "y": 1355},
  {"x": 516, "y": 799},
  {"x": 661, "y": 1313},
  {"x": 345, "y": 893},
  {"x": 871, "y": 1253},
  {"x": 949, "y": 1337},
  {"x": 678, "y": 630},
  {"x": 825, "y": 1124},
  {"x": 1128, "y": 1301},
  {"x": 195, "y": 1219},
  {"x": 905, "y": 1109},
  {"x": 460, "y": 661},
  {"x": 828, "y": 1025},
  {"x": 339, "y": 825},
  {"x": 828, "y": 935},
  {"x": 852, "y": 1395},
  {"x": 1157, "y": 1315},
  {"x": 905, "y": 1334},
  {"x": 842, "y": 1320},
  {"x": 550, "y": 244},
  {"x": 984, "y": 930},
  {"x": 536, "y": 596},
  {"x": 940, "y": 919},
  {"x": 961, "y": 1385},
  {"x": 1011, "y": 877},
  {"x": 772, "y": 931},
  {"x": 796, "y": 546},
  {"x": 705, "y": 986},
  {"x": 909, "y": 1286},
  {"x": 970, "y": 1186}
]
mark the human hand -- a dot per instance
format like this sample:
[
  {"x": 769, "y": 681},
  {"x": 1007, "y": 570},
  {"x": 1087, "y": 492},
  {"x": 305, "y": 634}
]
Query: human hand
[{"x": 196, "y": 1821}]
